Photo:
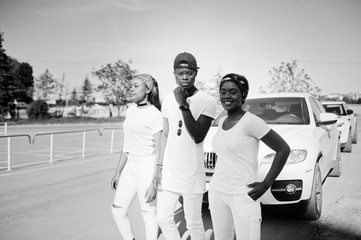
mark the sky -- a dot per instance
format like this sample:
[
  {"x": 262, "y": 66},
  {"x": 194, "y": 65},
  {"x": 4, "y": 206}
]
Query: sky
[{"x": 76, "y": 37}]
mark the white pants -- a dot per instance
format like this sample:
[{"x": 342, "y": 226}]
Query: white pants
[
  {"x": 192, "y": 206},
  {"x": 237, "y": 212},
  {"x": 135, "y": 179}
]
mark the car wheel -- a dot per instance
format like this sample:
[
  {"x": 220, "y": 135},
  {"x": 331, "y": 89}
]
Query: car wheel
[
  {"x": 313, "y": 211},
  {"x": 354, "y": 139},
  {"x": 348, "y": 146},
  {"x": 336, "y": 171}
]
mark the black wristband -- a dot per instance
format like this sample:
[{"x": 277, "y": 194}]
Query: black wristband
[{"x": 184, "y": 107}]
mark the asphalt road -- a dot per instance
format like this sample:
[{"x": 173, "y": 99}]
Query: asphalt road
[{"x": 71, "y": 199}]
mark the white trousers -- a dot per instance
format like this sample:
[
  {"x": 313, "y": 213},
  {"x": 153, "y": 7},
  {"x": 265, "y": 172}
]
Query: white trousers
[
  {"x": 192, "y": 207},
  {"x": 234, "y": 212},
  {"x": 135, "y": 179}
]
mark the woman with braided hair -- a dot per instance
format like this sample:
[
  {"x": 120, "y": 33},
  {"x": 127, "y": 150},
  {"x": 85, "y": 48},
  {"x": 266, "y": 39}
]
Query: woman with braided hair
[{"x": 142, "y": 130}]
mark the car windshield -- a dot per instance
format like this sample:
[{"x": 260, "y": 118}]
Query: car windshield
[
  {"x": 276, "y": 110},
  {"x": 334, "y": 108}
]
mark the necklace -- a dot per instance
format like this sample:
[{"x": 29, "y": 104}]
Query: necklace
[{"x": 142, "y": 104}]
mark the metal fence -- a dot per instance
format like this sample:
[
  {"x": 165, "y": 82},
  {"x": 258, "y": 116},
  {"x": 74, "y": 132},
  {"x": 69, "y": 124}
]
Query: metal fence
[
  {"x": 68, "y": 145},
  {"x": 4, "y": 128}
]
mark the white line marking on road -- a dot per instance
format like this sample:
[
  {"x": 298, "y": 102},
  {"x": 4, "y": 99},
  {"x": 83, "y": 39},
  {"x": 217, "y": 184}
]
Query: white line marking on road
[{"x": 52, "y": 167}]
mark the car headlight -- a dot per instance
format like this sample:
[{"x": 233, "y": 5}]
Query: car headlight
[{"x": 296, "y": 156}]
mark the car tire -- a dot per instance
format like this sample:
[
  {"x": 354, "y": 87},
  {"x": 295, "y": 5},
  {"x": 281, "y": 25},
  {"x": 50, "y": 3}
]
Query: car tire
[
  {"x": 348, "y": 146},
  {"x": 314, "y": 208},
  {"x": 336, "y": 171},
  {"x": 354, "y": 138}
]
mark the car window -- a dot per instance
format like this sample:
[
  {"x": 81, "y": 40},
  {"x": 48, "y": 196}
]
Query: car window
[
  {"x": 276, "y": 110},
  {"x": 316, "y": 109},
  {"x": 283, "y": 110},
  {"x": 319, "y": 105},
  {"x": 335, "y": 108},
  {"x": 344, "y": 108}
]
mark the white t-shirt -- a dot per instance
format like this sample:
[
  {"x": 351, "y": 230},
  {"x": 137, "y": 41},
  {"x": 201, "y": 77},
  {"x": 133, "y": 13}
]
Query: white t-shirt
[
  {"x": 237, "y": 151},
  {"x": 183, "y": 164},
  {"x": 139, "y": 126}
]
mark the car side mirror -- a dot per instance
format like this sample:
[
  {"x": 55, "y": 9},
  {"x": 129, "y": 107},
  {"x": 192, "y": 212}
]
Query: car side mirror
[
  {"x": 327, "y": 118},
  {"x": 349, "y": 111}
]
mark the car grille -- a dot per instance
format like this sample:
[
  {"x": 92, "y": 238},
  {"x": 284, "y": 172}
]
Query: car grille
[
  {"x": 210, "y": 159},
  {"x": 278, "y": 190},
  {"x": 209, "y": 174}
]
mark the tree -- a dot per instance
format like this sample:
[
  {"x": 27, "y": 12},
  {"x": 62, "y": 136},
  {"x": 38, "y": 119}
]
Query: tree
[
  {"x": 346, "y": 99},
  {"x": 73, "y": 98},
  {"x": 211, "y": 87},
  {"x": 201, "y": 85},
  {"x": 73, "y": 101},
  {"x": 61, "y": 101},
  {"x": 86, "y": 90},
  {"x": 23, "y": 81},
  {"x": 115, "y": 80},
  {"x": 46, "y": 85},
  {"x": 290, "y": 78},
  {"x": 38, "y": 110},
  {"x": 61, "y": 89},
  {"x": 7, "y": 86}
]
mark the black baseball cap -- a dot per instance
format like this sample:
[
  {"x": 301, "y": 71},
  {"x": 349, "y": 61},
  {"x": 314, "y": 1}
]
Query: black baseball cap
[{"x": 185, "y": 60}]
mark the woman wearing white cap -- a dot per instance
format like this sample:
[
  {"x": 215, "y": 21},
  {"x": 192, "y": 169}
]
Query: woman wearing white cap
[{"x": 142, "y": 130}]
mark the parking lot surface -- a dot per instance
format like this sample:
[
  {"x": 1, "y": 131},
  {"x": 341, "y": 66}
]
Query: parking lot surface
[{"x": 71, "y": 198}]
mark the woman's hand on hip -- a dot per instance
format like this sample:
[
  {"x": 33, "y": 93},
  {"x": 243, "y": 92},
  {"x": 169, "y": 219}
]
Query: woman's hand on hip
[{"x": 259, "y": 188}]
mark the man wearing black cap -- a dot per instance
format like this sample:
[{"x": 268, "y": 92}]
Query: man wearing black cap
[{"x": 188, "y": 114}]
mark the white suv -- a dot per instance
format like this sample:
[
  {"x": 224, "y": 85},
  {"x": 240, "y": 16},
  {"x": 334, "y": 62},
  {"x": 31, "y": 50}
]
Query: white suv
[{"x": 346, "y": 124}]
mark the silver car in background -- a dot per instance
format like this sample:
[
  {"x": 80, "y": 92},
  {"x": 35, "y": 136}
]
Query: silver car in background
[{"x": 346, "y": 123}]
